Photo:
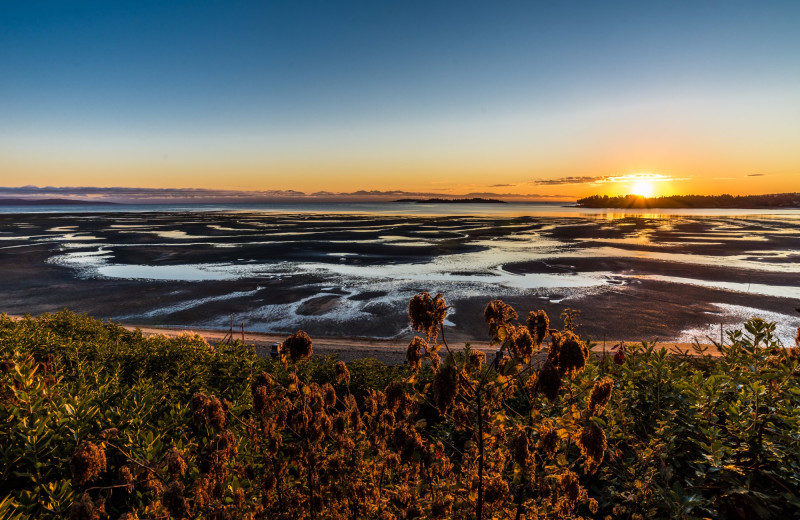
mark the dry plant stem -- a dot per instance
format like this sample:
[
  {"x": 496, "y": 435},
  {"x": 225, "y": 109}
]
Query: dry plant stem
[
  {"x": 278, "y": 483},
  {"x": 444, "y": 340},
  {"x": 131, "y": 459},
  {"x": 380, "y": 488},
  {"x": 521, "y": 496},
  {"x": 310, "y": 485},
  {"x": 479, "y": 509}
]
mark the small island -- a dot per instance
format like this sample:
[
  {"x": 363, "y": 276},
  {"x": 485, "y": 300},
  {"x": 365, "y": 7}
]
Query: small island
[
  {"x": 771, "y": 201},
  {"x": 474, "y": 200}
]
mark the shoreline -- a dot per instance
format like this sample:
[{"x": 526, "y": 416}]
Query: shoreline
[{"x": 389, "y": 351}]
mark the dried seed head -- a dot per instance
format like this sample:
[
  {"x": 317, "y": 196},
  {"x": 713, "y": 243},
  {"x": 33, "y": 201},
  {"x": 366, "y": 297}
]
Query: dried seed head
[
  {"x": 299, "y": 346},
  {"x": 86, "y": 509},
  {"x": 342, "y": 373},
  {"x": 174, "y": 500},
  {"x": 548, "y": 381},
  {"x": 519, "y": 447},
  {"x": 261, "y": 389},
  {"x": 415, "y": 352},
  {"x": 215, "y": 412},
  {"x": 442, "y": 507},
  {"x": 126, "y": 478},
  {"x": 198, "y": 404},
  {"x": 497, "y": 314},
  {"x": 521, "y": 343},
  {"x": 88, "y": 461},
  {"x": 495, "y": 490},
  {"x": 570, "y": 489},
  {"x": 329, "y": 394},
  {"x": 175, "y": 463},
  {"x": 225, "y": 446},
  {"x": 572, "y": 354},
  {"x": 395, "y": 395},
  {"x": 339, "y": 423},
  {"x": 601, "y": 395},
  {"x": 592, "y": 443},
  {"x": 426, "y": 313},
  {"x": 461, "y": 418},
  {"x": 548, "y": 439},
  {"x": 476, "y": 359},
  {"x": 538, "y": 323},
  {"x": 445, "y": 387},
  {"x": 293, "y": 382}
]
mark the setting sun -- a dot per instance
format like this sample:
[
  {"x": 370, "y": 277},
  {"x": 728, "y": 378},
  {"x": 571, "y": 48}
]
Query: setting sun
[{"x": 643, "y": 189}]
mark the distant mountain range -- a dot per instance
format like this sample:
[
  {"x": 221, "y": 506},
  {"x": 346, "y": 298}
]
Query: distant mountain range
[
  {"x": 50, "y": 202},
  {"x": 475, "y": 200},
  {"x": 771, "y": 201}
]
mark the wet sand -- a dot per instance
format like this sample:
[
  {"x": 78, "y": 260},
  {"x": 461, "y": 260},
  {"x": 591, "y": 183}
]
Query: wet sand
[{"x": 633, "y": 278}]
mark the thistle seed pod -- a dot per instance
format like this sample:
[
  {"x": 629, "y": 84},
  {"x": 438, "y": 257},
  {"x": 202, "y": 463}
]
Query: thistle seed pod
[
  {"x": 570, "y": 489},
  {"x": 198, "y": 404},
  {"x": 395, "y": 395},
  {"x": 175, "y": 463},
  {"x": 426, "y": 313},
  {"x": 88, "y": 461},
  {"x": 495, "y": 490},
  {"x": 215, "y": 412},
  {"x": 299, "y": 346},
  {"x": 548, "y": 381},
  {"x": 476, "y": 359},
  {"x": 592, "y": 443},
  {"x": 329, "y": 394},
  {"x": 521, "y": 343},
  {"x": 442, "y": 507},
  {"x": 519, "y": 447},
  {"x": 126, "y": 478},
  {"x": 415, "y": 352},
  {"x": 601, "y": 395},
  {"x": 174, "y": 501},
  {"x": 548, "y": 439},
  {"x": 445, "y": 387},
  {"x": 262, "y": 392},
  {"x": 572, "y": 354},
  {"x": 538, "y": 323},
  {"x": 86, "y": 509},
  {"x": 497, "y": 314},
  {"x": 342, "y": 373}
]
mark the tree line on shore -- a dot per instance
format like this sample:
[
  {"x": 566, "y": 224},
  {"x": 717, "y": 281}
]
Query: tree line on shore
[{"x": 774, "y": 201}]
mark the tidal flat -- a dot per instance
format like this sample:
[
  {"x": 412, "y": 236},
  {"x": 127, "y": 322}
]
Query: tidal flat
[{"x": 671, "y": 277}]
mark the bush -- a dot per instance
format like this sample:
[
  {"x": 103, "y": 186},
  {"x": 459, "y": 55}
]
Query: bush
[{"x": 96, "y": 422}]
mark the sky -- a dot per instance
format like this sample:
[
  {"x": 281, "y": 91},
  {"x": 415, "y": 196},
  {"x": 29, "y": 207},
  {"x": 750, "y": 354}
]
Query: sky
[{"x": 531, "y": 100}]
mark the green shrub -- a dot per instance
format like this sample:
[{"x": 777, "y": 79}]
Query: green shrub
[{"x": 98, "y": 421}]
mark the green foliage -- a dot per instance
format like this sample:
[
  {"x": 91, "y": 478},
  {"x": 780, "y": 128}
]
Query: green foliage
[{"x": 688, "y": 436}]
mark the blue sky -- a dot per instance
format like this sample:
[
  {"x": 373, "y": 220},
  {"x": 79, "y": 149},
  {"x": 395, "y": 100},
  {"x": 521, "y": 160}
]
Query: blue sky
[{"x": 326, "y": 92}]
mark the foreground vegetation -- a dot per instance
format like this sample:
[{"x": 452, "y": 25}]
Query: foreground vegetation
[
  {"x": 771, "y": 201},
  {"x": 99, "y": 422}
]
